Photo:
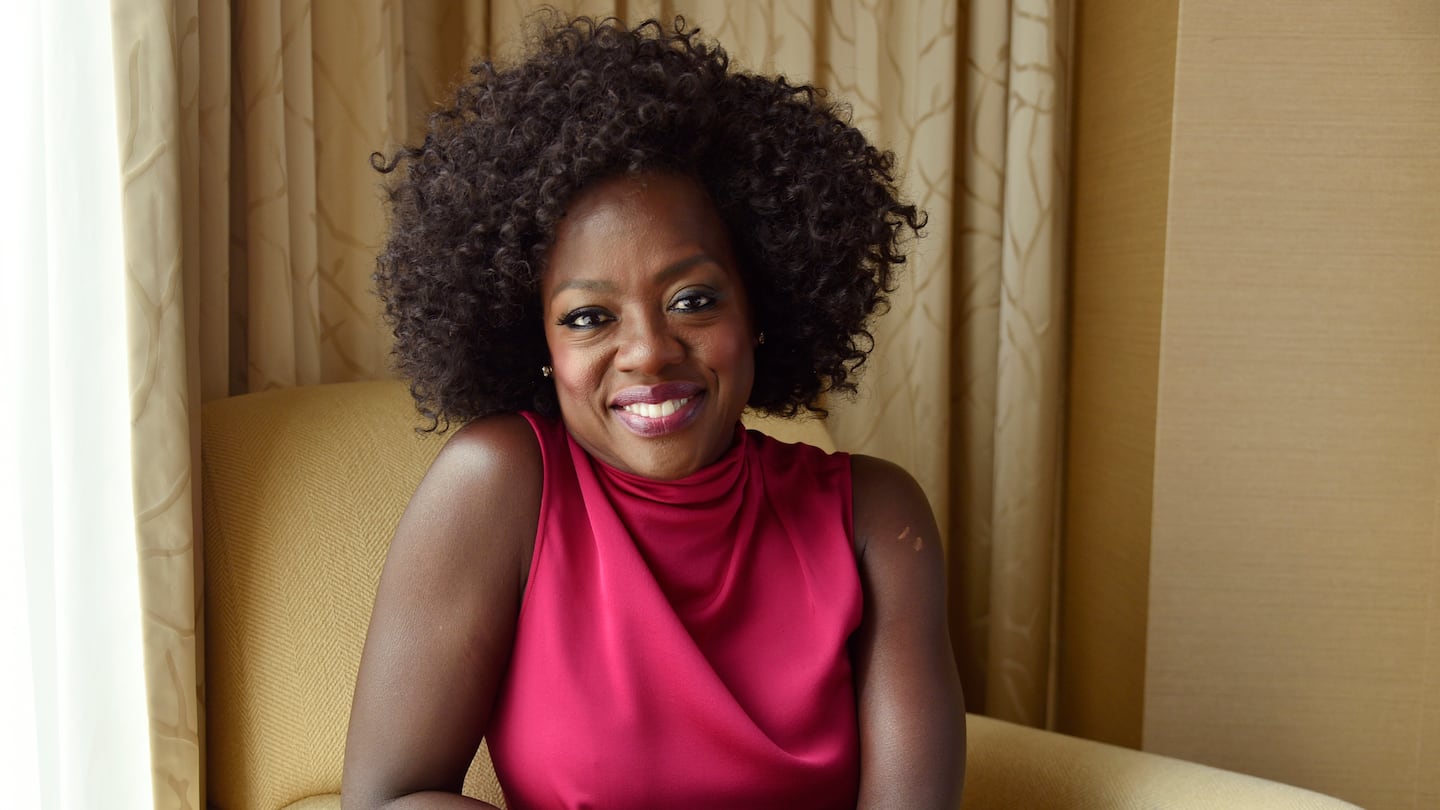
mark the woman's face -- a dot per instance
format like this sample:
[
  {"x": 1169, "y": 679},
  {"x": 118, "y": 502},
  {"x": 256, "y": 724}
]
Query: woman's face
[{"x": 648, "y": 325}]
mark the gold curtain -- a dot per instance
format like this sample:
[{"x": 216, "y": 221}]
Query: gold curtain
[
  {"x": 1007, "y": 351},
  {"x": 252, "y": 219}
]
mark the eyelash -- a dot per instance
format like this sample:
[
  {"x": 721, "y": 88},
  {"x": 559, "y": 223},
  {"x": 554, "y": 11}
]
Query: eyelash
[
  {"x": 573, "y": 317},
  {"x": 682, "y": 304},
  {"x": 707, "y": 299}
]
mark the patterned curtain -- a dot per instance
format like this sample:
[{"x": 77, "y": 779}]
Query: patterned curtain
[
  {"x": 252, "y": 219},
  {"x": 1007, "y": 350}
]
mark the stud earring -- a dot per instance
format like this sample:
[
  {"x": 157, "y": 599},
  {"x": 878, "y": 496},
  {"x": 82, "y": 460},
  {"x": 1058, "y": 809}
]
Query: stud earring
[
  {"x": 760, "y": 339},
  {"x": 547, "y": 370}
]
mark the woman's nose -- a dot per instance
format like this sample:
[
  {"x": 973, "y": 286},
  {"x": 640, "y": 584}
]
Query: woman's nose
[{"x": 648, "y": 346}]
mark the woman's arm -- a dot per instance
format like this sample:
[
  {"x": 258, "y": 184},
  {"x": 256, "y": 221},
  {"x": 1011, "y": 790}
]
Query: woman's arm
[
  {"x": 911, "y": 711},
  {"x": 444, "y": 621}
]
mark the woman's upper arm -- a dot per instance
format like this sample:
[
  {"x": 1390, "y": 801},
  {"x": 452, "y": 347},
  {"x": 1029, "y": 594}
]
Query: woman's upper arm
[
  {"x": 911, "y": 711},
  {"x": 444, "y": 617}
]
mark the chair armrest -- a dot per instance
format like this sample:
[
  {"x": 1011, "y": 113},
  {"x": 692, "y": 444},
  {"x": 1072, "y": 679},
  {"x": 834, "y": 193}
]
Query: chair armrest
[{"x": 1011, "y": 766}]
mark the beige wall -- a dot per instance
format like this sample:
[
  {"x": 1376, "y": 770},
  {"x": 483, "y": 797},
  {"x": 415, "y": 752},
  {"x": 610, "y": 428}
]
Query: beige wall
[
  {"x": 1289, "y": 525},
  {"x": 1123, "y": 83}
]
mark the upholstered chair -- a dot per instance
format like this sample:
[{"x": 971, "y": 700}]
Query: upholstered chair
[{"x": 302, "y": 489}]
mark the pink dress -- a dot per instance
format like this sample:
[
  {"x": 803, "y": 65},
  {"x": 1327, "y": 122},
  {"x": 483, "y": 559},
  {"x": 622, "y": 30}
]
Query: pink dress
[{"x": 682, "y": 644}]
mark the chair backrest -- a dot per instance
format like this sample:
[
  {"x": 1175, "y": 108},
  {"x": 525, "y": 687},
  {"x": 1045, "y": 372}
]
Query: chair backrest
[{"x": 302, "y": 489}]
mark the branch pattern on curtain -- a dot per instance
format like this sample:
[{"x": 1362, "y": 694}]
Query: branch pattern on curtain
[
  {"x": 1008, "y": 350},
  {"x": 253, "y": 216},
  {"x": 156, "y": 101}
]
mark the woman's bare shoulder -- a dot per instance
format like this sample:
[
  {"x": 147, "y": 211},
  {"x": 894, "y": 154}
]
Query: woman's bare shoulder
[
  {"x": 475, "y": 513},
  {"x": 885, "y": 496},
  {"x": 445, "y": 612},
  {"x": 482, "y": 492},
  {"x": 503, "y": 443},
  {"x": 911, "y": 708}
]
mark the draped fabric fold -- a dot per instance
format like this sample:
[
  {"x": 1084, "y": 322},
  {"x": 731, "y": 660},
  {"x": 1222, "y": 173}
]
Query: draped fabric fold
[
  {"x": 1008, "y": 349},
  {"x": 160, "y": 175},
  {"x": 252, "y": 216}
]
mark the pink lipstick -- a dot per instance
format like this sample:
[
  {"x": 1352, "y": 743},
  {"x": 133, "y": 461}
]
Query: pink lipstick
[{"x": 655, "y": 410}]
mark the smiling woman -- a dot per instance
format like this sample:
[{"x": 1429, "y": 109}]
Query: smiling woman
[
  {"x": 599, "y": 257},
  {"x": 648, "y": 326}
]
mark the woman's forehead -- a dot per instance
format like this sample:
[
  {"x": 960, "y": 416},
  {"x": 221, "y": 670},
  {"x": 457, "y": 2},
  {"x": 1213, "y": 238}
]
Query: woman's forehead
[{"x": 647, "y": 223}]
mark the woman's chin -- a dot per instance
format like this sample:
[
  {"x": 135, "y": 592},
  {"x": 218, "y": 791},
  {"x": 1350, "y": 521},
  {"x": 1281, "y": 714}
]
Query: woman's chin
[{"x": 671, "y": 455}]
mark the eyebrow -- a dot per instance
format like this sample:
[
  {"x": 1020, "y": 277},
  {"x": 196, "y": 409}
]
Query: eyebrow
[{"x": 663, "y": 276}]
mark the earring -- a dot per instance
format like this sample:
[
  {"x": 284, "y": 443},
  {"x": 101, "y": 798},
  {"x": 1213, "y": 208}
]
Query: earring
[
  {"x": 760, "y": 339},
  {"x": 547, "y": 370}
]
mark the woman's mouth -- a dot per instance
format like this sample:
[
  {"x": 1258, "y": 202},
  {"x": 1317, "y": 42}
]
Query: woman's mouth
[
  {"x": 654, "y": 410},
  {"x": 657, "y": 410}
]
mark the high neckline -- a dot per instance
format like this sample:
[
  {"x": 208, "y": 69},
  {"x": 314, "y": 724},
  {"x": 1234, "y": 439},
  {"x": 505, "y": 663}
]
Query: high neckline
[{"x": 705, "y": 485}]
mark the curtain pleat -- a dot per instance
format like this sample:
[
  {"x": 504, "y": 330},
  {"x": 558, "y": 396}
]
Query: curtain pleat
[
  {"x": 157, "y": 104},
  {"x": 1008, "y": 350},
  {"x": 1030, "y": 367},
  {"x": 253, "y": 218}
]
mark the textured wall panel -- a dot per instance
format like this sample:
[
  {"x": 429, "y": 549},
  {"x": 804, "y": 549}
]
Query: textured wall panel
[{"x": 1292, "y": 624}]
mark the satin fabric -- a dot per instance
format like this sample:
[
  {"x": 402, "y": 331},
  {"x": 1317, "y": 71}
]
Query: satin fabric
[{"x": 684, "y": 643}]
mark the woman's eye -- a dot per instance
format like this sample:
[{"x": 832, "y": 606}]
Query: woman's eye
[
  {"x": 693, "y": 302},
  {"x": 587, "y": 318}
]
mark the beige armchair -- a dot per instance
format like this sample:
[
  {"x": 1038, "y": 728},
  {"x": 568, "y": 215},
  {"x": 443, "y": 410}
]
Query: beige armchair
[{"x": 302, "y": 489}]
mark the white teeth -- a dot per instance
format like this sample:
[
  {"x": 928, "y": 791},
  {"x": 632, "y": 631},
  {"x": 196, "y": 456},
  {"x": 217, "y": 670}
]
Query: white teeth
[{"x": 656, "y": 410}]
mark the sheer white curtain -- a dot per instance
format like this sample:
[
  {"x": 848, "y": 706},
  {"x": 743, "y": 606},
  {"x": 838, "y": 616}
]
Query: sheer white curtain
[{"x": 73, "y": 692}]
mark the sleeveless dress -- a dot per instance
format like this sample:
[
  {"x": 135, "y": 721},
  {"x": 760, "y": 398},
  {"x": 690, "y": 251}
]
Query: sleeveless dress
[{"x": 682, "y": 644}]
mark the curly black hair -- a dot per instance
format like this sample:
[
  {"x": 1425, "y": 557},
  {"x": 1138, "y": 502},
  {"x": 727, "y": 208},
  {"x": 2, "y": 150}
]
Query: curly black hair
[{"x": 812, "y": 209}]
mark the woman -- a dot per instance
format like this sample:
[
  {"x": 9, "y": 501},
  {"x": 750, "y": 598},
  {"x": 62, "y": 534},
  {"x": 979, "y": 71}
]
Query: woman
[{"x": 598, "y": 257}]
